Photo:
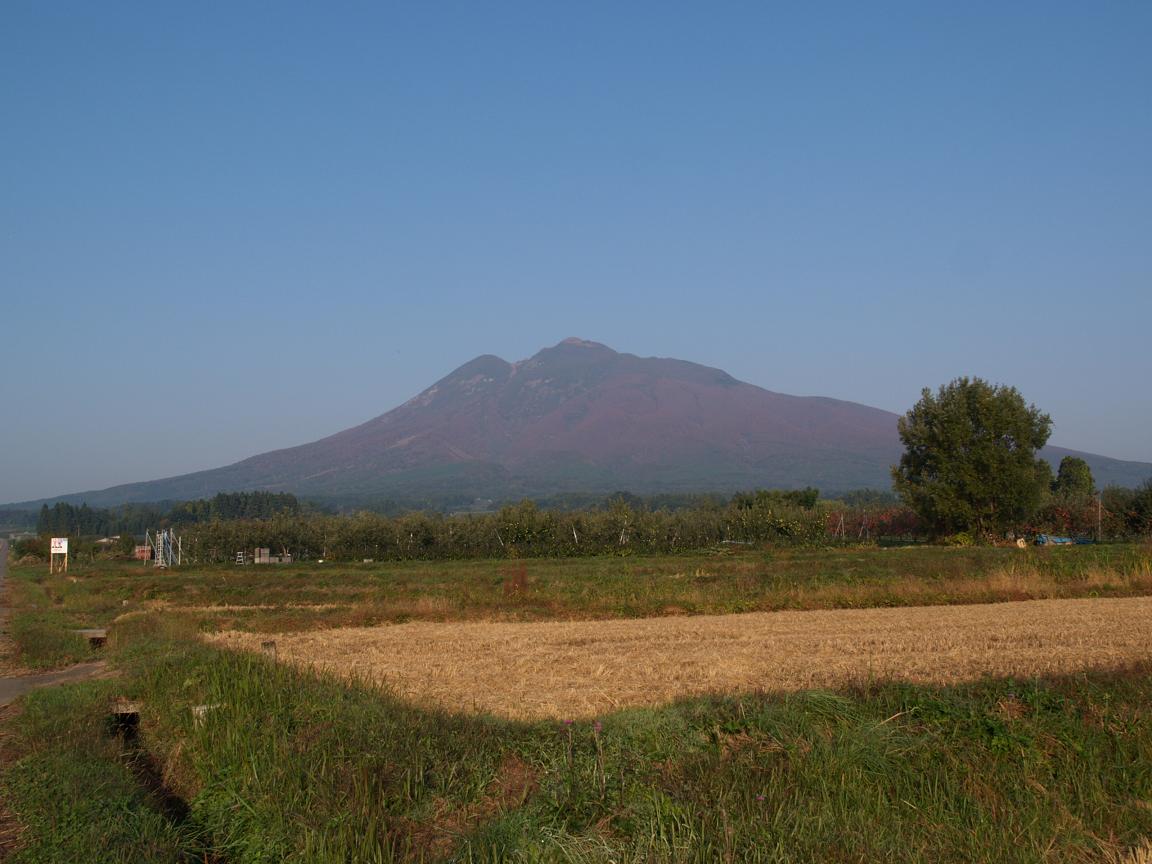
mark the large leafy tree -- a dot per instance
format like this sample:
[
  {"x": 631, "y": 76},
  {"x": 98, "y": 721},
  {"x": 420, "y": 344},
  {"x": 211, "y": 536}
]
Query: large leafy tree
[
  {"x": 1074, "y": 483},
  {"x": 970, "y": 459}
]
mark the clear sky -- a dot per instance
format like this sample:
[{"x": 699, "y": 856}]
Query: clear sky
[{"x": 230, "y": 227}]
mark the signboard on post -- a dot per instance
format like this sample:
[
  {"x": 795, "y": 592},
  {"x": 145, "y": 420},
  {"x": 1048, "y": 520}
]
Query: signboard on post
[{"x": 58, "y": 549}]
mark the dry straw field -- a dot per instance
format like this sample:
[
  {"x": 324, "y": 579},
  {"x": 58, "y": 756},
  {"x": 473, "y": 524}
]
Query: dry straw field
[{"x": 575, "y": 669}]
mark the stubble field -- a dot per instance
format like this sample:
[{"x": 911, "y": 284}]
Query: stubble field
[{"x": 579, "y": 669}]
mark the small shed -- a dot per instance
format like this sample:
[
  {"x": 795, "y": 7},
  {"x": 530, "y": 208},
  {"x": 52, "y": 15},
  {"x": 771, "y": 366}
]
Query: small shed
[{"x": 264, "y": 556}]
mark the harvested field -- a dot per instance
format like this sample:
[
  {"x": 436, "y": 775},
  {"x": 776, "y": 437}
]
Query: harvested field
[{"x": 576, "y": 669}]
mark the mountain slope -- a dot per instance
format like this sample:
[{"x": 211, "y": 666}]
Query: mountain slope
[{"x": 580, "y": 417}]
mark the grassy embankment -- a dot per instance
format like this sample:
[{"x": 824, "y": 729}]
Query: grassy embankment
[{"x": 293, "y": 766}]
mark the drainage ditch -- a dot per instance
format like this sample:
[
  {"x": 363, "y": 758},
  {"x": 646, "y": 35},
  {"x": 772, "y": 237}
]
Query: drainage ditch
[{"x": 124, "y": 724}]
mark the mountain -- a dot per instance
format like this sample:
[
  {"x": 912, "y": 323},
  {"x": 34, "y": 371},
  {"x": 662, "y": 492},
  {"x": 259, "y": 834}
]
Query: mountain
[{"x": 580, "y": 417}]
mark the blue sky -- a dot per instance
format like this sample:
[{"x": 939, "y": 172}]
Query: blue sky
[{"x": 230, "y": 227}]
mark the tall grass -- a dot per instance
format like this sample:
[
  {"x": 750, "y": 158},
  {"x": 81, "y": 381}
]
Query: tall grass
[
  {"x": 76, "y": 794},
  {"x": 43, "y": 625},
  {"x": 44, "y": 641}
]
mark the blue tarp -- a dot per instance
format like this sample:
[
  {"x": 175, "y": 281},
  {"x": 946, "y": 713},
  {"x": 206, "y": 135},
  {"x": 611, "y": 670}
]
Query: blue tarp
[{"x": 1050, "y": 540}]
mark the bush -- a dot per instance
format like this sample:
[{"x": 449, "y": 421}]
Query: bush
[
  {"x": 31, "y": 547},
  {"x": 960, "y": 538}
]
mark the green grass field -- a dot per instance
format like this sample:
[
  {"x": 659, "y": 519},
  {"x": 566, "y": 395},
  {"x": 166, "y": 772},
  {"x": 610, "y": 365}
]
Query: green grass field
[
  {"x": 301, "y": 596},
  {"x": 291, "y": 766}
]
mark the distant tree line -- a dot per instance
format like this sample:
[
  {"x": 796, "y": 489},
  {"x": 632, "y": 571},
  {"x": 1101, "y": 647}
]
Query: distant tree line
[
  {"x": 214, "y": 530},
  {"x": 236, "y": 505},
  {"x": 522, "y": 530},
  {"x": 767, "y": 499},
  {"x": 10, "y": 519},
  {"x": 755, "y": 519},
  {"x": 68, "y": 520},
  {"x": 1119, "y": 512}
]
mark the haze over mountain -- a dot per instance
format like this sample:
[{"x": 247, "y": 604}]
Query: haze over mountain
[{"x": 580, "y": 417}]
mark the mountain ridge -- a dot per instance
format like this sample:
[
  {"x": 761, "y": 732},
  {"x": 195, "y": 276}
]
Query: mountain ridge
[{"x": 578, "y": 417}]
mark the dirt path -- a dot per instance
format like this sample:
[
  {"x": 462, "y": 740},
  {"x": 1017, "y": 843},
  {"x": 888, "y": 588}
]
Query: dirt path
[
  {"x": 13, "y": 687},
  {"x": 584, "y": 668},
  {"x": 7, "y": 660}
]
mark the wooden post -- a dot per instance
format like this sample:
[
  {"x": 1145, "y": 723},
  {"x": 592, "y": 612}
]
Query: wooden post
[{"x": 97, "y": 636}]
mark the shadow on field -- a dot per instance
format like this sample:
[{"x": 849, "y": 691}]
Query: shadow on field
[
  {"x": 146, "y": 770},
  {"x": 149, "y": 776}
]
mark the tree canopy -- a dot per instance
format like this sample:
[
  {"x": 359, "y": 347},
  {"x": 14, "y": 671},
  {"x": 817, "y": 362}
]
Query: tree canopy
[
  {"x": 970, "y": 459},
  {"x": 1074, "y": 483}
]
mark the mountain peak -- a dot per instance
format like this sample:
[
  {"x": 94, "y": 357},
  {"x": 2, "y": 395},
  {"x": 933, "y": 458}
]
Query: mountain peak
[
  {"x": 484, "y": 365},
  {"x": 570, "y": 355}
]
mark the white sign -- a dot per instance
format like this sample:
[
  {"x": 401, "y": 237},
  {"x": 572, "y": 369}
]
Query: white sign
[{"x": 59, "y": 546}]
